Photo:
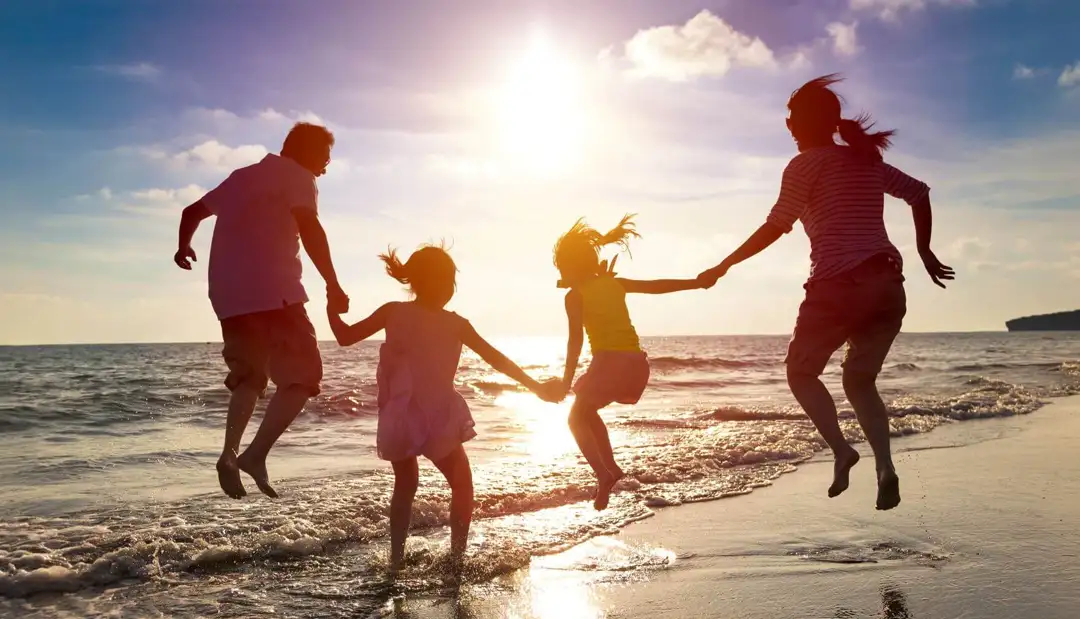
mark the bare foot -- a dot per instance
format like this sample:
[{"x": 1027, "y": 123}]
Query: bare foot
[
  {"x": 228, "y": 476},
  {"x": 257, "y": 470},
  {"x": 604, "y": 486},
  {"x": 888, "y": 490},
  {"x": 841, "y": 468}
]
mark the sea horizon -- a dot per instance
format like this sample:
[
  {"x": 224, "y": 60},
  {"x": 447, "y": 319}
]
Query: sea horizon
[{"x": 499, "y": 337}]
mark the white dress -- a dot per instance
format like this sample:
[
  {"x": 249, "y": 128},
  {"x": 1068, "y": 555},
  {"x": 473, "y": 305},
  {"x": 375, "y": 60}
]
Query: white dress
[{"x": 421, "y": 412}]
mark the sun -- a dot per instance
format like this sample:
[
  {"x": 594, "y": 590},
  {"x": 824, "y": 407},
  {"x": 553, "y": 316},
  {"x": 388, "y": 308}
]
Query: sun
[{"x": 540, "y": 110}]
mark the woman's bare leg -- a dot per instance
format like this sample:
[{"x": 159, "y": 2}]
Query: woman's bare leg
[
  {"x": 818, "y": 403},
  {"x": 861, "y": 390}
]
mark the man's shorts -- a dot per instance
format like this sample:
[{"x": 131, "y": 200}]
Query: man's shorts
[
  {"x": 864, "y": 307},
  {"x": 278, "y": 345}
]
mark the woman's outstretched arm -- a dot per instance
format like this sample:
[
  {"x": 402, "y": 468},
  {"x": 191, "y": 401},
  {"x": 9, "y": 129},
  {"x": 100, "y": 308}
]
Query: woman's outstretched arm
[{"x": 761, "y": 239}]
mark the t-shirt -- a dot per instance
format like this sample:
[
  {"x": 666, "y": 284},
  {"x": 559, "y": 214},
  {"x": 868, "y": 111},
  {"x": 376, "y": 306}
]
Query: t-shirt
[
  {"x": 255, "y": 254},
  {"x": 606, "y": 317},
  {"x": 840, "y": 198}
]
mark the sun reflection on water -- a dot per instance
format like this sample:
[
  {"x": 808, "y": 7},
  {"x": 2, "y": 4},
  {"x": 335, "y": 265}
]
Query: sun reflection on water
[{"x": 546, "y": 435}]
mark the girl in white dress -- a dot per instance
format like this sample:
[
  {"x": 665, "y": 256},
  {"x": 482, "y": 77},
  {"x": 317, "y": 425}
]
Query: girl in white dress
[{"x": 420, "y": 411}]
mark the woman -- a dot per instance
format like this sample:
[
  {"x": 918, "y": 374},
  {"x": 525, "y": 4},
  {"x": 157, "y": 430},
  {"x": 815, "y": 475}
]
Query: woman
[{"x": 855, "y": 292}]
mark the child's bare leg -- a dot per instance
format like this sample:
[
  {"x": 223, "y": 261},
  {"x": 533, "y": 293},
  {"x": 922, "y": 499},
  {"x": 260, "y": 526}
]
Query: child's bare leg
[
  {"x": 458, "y": 473},
  {"x": 592, "y": 438},
  {"x": 406, "y": 479},
  {"x": 241, "y": 404},
  {"x": 603, "y": 444}
]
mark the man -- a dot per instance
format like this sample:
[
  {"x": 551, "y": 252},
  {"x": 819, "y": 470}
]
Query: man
[{"x": 263, "y": 212}]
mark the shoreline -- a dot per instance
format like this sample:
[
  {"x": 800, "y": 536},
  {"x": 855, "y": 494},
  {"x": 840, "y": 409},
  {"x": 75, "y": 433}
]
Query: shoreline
[{"x": 985, "y": 530}]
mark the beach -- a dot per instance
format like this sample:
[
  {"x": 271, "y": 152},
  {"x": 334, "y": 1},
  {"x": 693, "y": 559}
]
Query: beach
[
  {"x": 111, "y": 507},
  {"x": 987, "y": 529}
]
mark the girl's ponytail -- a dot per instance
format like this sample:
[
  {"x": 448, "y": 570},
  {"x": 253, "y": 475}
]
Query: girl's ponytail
[
  {"x": 619, "y": 235},
  {"x": 856, "y": 133},
  {"x": 394, "y": 266}
]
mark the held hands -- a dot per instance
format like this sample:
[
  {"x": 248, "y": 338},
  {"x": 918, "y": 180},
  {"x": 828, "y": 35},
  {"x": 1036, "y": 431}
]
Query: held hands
[
  {"x": 938, "y": 271},
  {"x": 184, "y": 257},
  {"x": 707, "y": 278},
  {"x": 552, "y": 390},
  {"x": 337, "y": 302}
]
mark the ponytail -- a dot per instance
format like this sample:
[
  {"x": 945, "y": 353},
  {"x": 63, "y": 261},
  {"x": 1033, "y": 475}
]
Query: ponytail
[
  {"x": 394, "y": 266},
  {"x": 856, "y": 134},
  {"x": 619, "y": 235},
  {"x": 577, "y": 252}
]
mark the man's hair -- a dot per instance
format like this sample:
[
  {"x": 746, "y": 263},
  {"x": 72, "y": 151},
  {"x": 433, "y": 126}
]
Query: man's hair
[{"x": 305, "y": 138}]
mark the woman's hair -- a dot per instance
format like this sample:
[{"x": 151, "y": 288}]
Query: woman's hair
[
  {"x": 429, "y": 270},
  {"x": 817, "y": 108},
  {"x": 578, "y": 251}
]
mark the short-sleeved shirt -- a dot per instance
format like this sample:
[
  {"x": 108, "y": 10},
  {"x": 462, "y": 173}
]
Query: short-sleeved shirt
[
  {"x": 839, "y": 196},
  {"x": 255, "y": 254},
  {"x": 606, "y": 317}
]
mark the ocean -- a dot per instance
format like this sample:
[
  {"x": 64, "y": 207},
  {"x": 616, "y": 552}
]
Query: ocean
[{"x": 111, "y": 508}]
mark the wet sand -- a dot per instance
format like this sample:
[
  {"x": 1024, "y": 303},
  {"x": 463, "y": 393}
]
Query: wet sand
[{"x": 989, "y": 528}]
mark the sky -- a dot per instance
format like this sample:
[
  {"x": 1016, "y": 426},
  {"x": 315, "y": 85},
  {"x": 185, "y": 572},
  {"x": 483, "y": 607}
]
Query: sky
[{"x": 495, "y": 124}]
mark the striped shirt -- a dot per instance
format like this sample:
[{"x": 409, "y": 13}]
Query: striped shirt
[{"x": 840, "y": 199}]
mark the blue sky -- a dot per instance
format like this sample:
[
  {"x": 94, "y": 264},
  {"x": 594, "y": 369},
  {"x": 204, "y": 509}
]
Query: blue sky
[{"x": 495, "y": 124}]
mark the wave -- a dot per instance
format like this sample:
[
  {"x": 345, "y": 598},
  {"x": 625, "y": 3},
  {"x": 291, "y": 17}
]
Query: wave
[
  {"x": 493, "y": 388},
  {"x": 674, "y": 364},
  {"x": 979, "y": 367}
]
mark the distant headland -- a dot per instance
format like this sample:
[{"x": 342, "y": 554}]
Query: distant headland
[{"x": 1058, "y": 321}]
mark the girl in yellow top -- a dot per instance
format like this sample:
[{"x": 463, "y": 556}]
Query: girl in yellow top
[{"x": 619, "y": 371}]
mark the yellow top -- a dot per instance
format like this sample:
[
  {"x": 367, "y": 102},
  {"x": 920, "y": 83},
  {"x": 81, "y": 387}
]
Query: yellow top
[{"x": 606, "y": 318}]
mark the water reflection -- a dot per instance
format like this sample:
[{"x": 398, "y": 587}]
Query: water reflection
[
  {"x": 893, "y": 606},
  {"x": 568, "y": 585},
  {"x": 534, "y": 593}
]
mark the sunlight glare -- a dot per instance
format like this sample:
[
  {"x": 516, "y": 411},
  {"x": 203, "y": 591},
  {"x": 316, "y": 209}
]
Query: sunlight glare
[
  {"x": 546, "y": 437},
  {"x": 541, "y": 115}
]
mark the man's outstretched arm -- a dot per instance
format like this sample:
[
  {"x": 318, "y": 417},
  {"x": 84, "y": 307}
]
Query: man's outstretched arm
[{"x": 189, "y": 223}]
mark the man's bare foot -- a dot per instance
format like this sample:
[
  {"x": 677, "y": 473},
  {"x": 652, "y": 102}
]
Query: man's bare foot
[
  {"x": 228, "y": 476},
  {"x": 256, "y": 468},
  {"x": 841, "y": 467},
  {"x": 888, "y": 490},
  {"x": 604, "y": 486}
]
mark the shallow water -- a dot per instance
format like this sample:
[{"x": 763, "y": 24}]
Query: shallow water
[{"x": 111, "y": 506}]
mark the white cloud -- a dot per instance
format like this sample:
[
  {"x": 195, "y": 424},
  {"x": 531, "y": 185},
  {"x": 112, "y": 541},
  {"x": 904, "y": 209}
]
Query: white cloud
[
  {"x": 1023, "y": 72},
  {"x": 1070, "y": 76},
  {"x": 271, "y": 114},
  {"x": 217, "y": 155},
  {"x": 307, "y": 116},
  {"x": 105, "y": 193},
  {"x": 891, "y": 9},
  {"x": 705, "y": 46},
  {"x": 139, "y": 71},
  {"x": 844, "y": 40},
  {"x": 182, "y": 195}
]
